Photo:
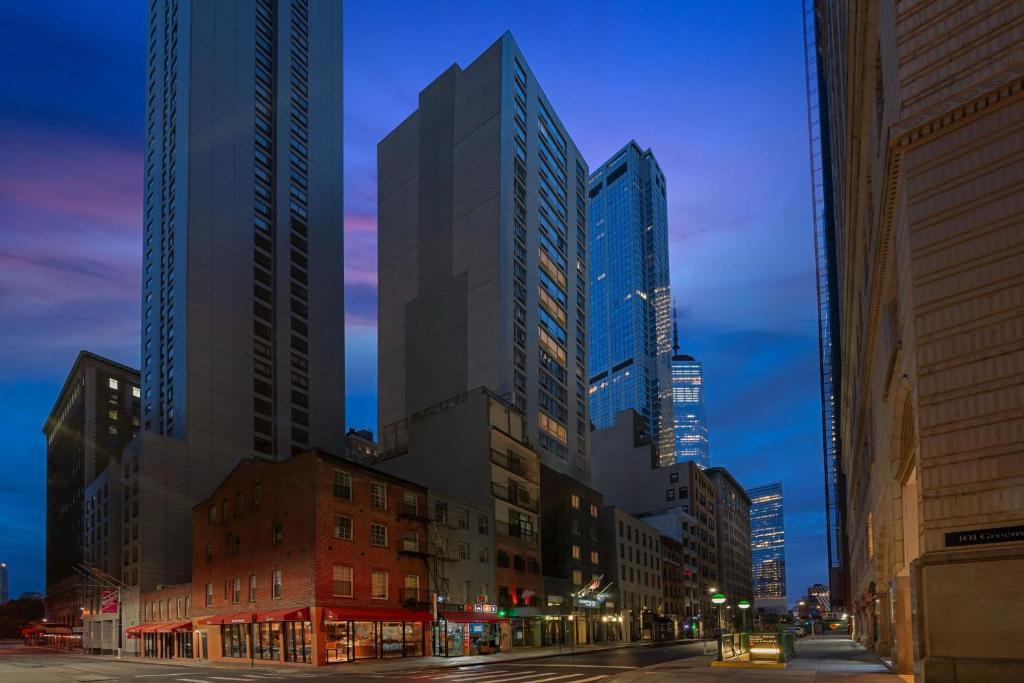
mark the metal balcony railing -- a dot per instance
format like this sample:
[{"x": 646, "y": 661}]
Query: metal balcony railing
[
  {"x": 515, "y": 464},
  {"x": 516, "y": 531},
  {"x": 515, "y": 494},
  {"x": 414, "y": 597}
]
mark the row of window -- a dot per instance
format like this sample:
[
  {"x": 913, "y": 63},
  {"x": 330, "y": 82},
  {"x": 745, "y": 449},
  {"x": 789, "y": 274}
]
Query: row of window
[{"x": 233, "y": 588}]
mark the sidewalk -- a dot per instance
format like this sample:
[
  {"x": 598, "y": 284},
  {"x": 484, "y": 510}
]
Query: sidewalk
[
  {"x": 819, "y": 659},
  {"x": 373, "y": 666}
]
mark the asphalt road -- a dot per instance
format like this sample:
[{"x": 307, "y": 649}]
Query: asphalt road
[{"x": 39, "y": 665}]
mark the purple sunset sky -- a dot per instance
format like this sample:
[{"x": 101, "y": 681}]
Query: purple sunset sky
[{"x": 715, "y": 89}]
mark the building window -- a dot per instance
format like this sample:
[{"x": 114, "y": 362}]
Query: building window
[
  {"x": 673, "y": 477},
  {"x": 252, "y": 588},
  {"x": 342, "y": 581},
  {"x": 379, "y": 535},
  {"x": 209, "y": 552},
  {"x": 255, "y": 494},
  {"x": 112, "y": 383},
  {"x": 236, "y": 590},
  {"x": 593, "y": 511},
  {"x": 594, "y": 559},
  {"x": 576, "y": 553},
  {"x": 276, "y": 532},
  {"x": 670, "y": 494},
  {"x": 212, "y": 515},
  {"x": 484, "y": 555},
  {"x": 463, "y": 551},
  {"x": 378, "y": 495},
  {"x": 410, "y": 541},
  {"x": 574, "y": 500},
  {"x": 379, "y": 585},
  {"x": 112, "y": 414},
  {"x": 239, "y": 503},
  {"x": 411, "y": 503},
  {"x": 574, "y": 525},
  {"x": 136, "y": 393},
  {"x": 441, "y": 511},
  {"x": 577, "y": 577},
  {"x": 871, "y": 536},
  {"x": 342, "y": 485},
  {"x": 343, "y": 527},
  {"x": 275, "y": 584},
  {"x": 481, "y": 524}
]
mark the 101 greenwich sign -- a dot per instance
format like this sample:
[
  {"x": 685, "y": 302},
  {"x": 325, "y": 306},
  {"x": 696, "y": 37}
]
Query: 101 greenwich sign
[{"x": 1006, "y": 534}]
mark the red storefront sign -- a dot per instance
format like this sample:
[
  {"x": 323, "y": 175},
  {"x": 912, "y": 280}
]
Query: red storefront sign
[{"x": 109, "y": 599}]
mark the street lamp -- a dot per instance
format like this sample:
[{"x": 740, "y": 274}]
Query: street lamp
[
  {"x": 719, "y": 600},
  {"x": 744, "y": 605}
]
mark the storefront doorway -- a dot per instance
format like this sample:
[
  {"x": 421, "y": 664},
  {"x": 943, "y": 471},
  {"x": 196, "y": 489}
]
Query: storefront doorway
[{"x": 347, "y": 640}]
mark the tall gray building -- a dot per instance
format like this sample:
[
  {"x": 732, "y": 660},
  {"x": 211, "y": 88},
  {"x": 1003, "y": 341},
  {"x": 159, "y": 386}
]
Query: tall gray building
[
  {"x": 630, "y": 305},
  {"x": 482, "y": 256},
  {"x": 242, "y": 347}
]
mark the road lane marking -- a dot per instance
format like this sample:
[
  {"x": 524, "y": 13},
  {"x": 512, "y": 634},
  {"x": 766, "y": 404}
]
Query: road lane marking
[
  {"x": 189, "y": 680},
  {"x": 593, "y": 678},
  {"x": 550, "y": 678}
]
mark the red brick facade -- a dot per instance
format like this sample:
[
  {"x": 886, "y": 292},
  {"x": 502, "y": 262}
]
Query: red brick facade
[{"x": 277, "y": 520}]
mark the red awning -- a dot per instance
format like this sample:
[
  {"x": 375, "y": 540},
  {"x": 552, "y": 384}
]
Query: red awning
[
  {"x": 471, "y": 617},
  {"x": 133, "y": 631},
  {"x": 286, "y": 614},
  {"x": 174, "y": 627},
  {"x": 371, "y": 614}
]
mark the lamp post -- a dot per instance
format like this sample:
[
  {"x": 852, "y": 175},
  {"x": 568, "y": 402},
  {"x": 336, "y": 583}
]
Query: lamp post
[
  {"x": 744, "y": 605},
  {"x": 719, "y": 600}
]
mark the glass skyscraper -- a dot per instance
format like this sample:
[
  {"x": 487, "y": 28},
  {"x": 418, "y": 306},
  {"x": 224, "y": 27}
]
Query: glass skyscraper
[
  {"x": 768, "y": 545},
  {"x": 828, "y": 308},
  {"x": 630, "y": 304},
  {"x": 690, "y": 429}
]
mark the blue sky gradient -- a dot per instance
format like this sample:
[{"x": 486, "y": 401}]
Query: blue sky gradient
[{"x": 715, "y": 89}]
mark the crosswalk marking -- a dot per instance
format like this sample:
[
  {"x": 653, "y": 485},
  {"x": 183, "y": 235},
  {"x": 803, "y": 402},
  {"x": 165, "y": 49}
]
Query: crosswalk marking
[
  {"x": 474, "y": 675},
  {"x": 592, "y": 678},
  {"x": 584, "y": 666},
  {"x": 557, "y": 677}
]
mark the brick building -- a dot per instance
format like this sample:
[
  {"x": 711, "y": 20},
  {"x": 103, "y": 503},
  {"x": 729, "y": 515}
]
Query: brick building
[
  {"x": 313, "y": 559},
  {"x": 165, "y": 630}
]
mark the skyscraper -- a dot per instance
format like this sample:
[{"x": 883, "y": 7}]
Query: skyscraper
[
  {"x": 3, "y": 583},
  {"x": 94, "y": 417},
  {"x": 630, "y": 347},
  {"x": 829, "y": 337},
  {"x": 690, "y": 420},
  {"x": 242, "y": 348},
  {"x": 768, "y": 547},
  {"x": 482, "y": 200}
]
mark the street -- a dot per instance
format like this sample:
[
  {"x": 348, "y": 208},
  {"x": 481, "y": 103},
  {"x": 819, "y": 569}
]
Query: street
[{"x": 41, "y": 665}]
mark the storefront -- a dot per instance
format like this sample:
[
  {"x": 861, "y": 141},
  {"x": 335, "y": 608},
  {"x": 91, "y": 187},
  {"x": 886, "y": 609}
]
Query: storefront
[
  {"x": 457, "y": 634},
  {"x": 163, "y": 640},
  {"x": 351, "y": 634}
]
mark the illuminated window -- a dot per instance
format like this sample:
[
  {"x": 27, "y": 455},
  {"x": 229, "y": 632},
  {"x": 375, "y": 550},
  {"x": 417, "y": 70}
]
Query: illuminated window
[
  {"x": 576, "y": 552},
  {"x": 577, "y": 577},
  {"x": 594, "y": 559},
  {"x": 136, "y": 393},
  {"x": 379, "y": 585},
  {"x": 871, "y": 536},
  {"x": 575, "y": 500},
  {"x": 112, "y": 383}
]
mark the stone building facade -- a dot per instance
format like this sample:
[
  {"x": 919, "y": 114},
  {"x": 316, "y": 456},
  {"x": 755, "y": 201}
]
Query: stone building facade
[{"x": 926, "y": 104}]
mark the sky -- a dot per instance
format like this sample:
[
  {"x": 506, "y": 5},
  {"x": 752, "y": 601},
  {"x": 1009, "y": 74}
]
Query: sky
[{"x": 716, "y": 90}]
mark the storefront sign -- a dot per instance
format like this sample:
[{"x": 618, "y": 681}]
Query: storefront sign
[
  {"x": 482, "y": 608},
  {"x": 589, "y": 602},
  {"x": 764, "y": 646},
  {"x": 108, "y": 601},
  {"x": 1005, "y": 534}
]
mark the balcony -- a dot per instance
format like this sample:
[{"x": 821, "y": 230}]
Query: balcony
[
  {"x": 414, "y": 598},
  {"x": 414, "y": 512},
  {"x": 411, "y": 548},
  {"x": 516, "y": 464},
  {"x": 516, "y": 531},
  {"x": 516, "y": 494}
]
